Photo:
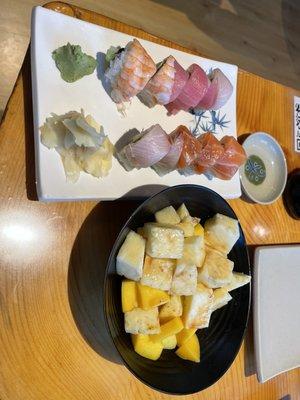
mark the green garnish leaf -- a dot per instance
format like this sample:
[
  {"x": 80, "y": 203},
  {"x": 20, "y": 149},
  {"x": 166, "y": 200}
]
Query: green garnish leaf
[{"x": 72, "y": 63}]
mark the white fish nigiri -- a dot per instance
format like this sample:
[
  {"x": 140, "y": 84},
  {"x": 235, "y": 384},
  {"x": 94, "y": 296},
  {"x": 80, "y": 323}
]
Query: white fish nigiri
[
  {"x": 146, "y": 149},
  {"x": 170, "y": 160},
  {"x": 129, "y": 71}
]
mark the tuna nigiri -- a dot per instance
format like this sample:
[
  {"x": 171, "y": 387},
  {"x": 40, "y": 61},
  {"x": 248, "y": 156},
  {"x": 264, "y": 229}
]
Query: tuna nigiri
[
  {"x": 194, "y": 90},
  {"x": 146, "y": 149},
  {"x": 165, "y": 85},
  {"x": 211, "y": 151},
  {"x": 218, "y": 92},
  {"x": 129, "y": 71},
  {"x": 170, "y": 160},
  {"x": 232, "y": 158}
]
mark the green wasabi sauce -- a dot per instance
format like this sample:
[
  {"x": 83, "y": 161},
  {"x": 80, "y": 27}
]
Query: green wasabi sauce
[
  {"x": 255, "y": 170},
  {"x": 72, "y": 63}
]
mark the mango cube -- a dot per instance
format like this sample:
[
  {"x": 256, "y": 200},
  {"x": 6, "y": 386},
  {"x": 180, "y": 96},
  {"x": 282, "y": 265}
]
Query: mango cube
[
  {"x": 149, "y": 297},
  {"x": 198, "y": 230},
  {"x": 167, "y": 215},
  {"x": 128, "y": 295},
  {"x": 168, "y": 329},
  {"x": 171, "y": 309},
  {"x": 190, "y": 350},
  {"x": 145, "y": 347},
  {"x": 169, "y": 342},
  {"x": 184, "y": 335}
]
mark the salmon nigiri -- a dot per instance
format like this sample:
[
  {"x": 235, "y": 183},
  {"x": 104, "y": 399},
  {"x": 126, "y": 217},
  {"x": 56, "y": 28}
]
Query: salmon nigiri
[
  {"x": 211, "y": 151},
  {"x": 190, "y": 149},
  {"x": 166, "y": 84},
  {"x": 146, "y": 149},
  {"x": 232, "y": 158},
  {"x": 129, "y": 71},
  {"x": 193, "y": 91}
]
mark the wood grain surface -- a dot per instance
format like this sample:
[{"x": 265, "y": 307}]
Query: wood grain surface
[{"x": 53, "y": 343}]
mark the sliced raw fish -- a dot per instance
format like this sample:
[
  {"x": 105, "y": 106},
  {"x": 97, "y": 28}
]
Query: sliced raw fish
[
  {"x": 146, "y": 149},
  {"x": 166, "y": 84},
  {"x": 190, "y": 149},
  {"x": 232, "y": 158},
  {"x": 170, "y": 160},
  {"x": 193, "y": 91},
  {"x": 129, "y": 71}
]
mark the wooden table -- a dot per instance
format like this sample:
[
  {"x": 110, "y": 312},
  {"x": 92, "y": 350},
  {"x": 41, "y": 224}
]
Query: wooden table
[{"x": 53, "y": 344}]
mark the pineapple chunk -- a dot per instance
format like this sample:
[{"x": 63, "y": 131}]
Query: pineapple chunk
[
  {"x": 142, "y": 321},
  {"x": 149, "y": 297},
  {"x": 221, "y": 233},
  {"x": 194, "y": 251},
  {"x": 140, "y": 231},
  {"x": 129, "y": 296},
  {"x": 167, "y": 215},
  {"x": 184, "y": 282},
  {"x": 172, "y": 309},
  {"x": 184, "y": 335},
  {"x": 168, "y": 329},
  {"x": 197, "y": 309},
  {"x": 190, "y": 350},
  {"x": 169, "y": 342},
  {"x": 199, "y": 230},
  {"x": 130, "y": 258},
  {"x": 216, "y": 270},
  {"x": 164, "y": 242},
  {"x": 187, "y": 226},
  {"x": 220, "y": 298},
  {"x": 158, "y": 272},
  {"x": 183, "y": 212},
  {"x": 145, "y": 347},
  {"x": 238, "y": 280}
]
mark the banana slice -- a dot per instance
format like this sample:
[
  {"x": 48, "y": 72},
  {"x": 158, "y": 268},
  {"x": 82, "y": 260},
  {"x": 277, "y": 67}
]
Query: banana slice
[
  {"x": 238, "y": 280},
  {"x": 220, "y": 298},
  {"x": 216, "y": 270},
  {"x": 221, "y": 233}
]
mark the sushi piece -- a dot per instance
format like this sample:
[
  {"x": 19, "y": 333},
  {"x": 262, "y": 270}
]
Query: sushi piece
[
  {"x": 166, "y": 84},
  {"x": 190, "y": 149},
  {"x": 218, "y": 92},
  {"x": 129, "y": 71},
  {"x": 170, "y": 160},
  {"x": 194, "y": 90},
  {"x": 146, "y": 149},
  {"x": 232, "y": 158},
  {"x": 211, "y": 151}
]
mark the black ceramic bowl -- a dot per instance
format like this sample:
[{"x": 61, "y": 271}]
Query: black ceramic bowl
[{"x": 220, "y": 342}]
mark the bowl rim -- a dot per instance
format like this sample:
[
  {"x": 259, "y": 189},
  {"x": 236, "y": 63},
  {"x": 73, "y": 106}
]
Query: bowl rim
[
  {"x": 105, "y": 291},
  {"x": 281, "y": 152}
]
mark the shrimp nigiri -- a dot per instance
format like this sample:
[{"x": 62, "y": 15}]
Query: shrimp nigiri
[
  {"x": 166, "y": 84},
  {"x": 146, "y": 149},
  {"x": 232, "y": 158},
  {"x": 129, "y": 71}
]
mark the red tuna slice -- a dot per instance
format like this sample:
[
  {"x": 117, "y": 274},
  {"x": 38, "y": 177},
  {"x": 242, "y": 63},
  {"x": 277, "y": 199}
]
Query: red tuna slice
[
  {"x": 193, "y": 91},
  {"x": 180, "y": 79},
  {"x": 233, "y": 157},
  {"x": 210, "y": 97}
]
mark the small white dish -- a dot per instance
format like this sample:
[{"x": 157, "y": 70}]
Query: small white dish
[
  {"x": 51, "y": 30},
  {"x": 276, "y": 305},
  {"x": 264, "y": 174}
]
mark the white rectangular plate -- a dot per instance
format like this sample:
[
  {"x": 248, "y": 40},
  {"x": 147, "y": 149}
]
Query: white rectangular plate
[
  {"x": 276, "y": 310},
  {"x": 51, "y": 30}
]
